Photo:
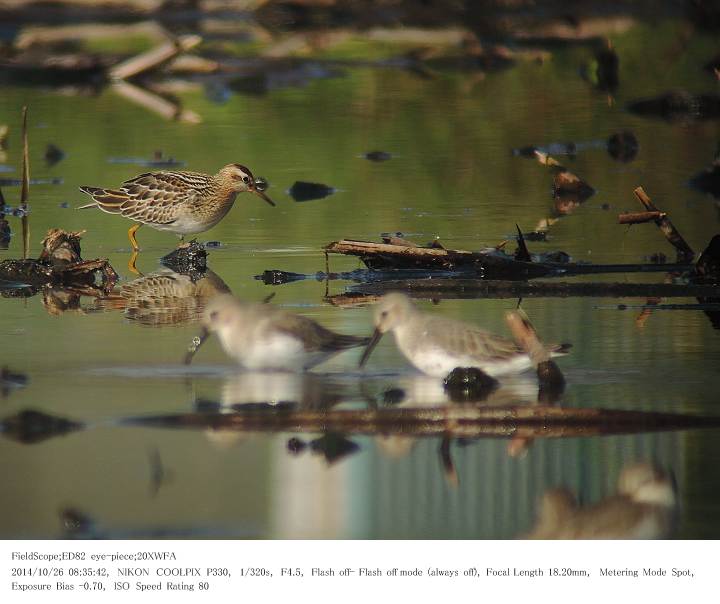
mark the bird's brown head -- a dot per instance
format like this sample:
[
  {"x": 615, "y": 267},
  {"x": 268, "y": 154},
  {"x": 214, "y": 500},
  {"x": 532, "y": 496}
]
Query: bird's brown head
[{"x": 241, "y": 180}]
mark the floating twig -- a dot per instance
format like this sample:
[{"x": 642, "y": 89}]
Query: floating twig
[
  {"x": 685, "y": 252},
  {"x": 552, "y": 382},
  {"x": 639, "y": 217}
]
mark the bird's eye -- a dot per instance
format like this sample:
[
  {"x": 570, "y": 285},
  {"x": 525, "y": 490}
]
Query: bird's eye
[
  {"x": 384, "y": 314},
  {"x": 214, "y": 315},
  {"x": 246, "y": 179}
]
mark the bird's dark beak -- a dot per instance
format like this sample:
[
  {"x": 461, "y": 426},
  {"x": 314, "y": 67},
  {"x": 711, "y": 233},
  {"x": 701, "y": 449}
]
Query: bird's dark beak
[
  {"x": 198, "y": 341},
  {"x": 260, "y": 193},
  {"x": 374, "y": 339}
]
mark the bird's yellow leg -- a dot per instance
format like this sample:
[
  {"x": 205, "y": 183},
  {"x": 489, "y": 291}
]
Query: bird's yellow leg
[
  {"x": 131, "y": 235},
  {"x": 131, "y": 264}
]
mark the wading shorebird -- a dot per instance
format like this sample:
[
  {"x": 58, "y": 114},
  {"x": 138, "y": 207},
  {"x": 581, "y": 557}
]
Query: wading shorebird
[
  {"x": 437, "y": 345},
  {"x": 263, "y": 337},
  {"x": 180, "y": 202}
]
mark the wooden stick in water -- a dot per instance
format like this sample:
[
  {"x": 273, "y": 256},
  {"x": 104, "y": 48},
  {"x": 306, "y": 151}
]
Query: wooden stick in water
[
  {"x": 685, "y": 252},
  {"x": 552, "y": 381},
  {"x": 639, "y": 217}
]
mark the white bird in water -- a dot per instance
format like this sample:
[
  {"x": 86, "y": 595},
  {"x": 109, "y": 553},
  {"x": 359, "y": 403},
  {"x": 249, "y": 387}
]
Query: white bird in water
[
  {"x": 643, "y": 508},
  {"x": 436, "y": 345},
  {"x": 263, "y": 337}
]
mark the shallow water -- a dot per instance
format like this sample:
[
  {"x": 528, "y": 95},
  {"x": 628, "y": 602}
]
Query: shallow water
[{"x": 452, "y": 176}]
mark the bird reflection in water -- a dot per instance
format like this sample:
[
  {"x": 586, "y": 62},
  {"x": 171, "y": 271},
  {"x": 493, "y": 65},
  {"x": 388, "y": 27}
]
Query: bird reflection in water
[
  {"x": 644, "y": 507},
  {"x": 165, "y": 297},
  {"x": 271, "y": 392},
  {"x": 422, "y": 391},
  {"x": 309, "y": 391}
]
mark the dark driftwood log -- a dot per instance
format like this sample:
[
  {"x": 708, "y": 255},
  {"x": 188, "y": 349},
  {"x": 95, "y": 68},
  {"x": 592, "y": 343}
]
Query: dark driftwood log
[
  {"x": 684, "y": 251},
  {"x": 489, "y": 263},
  {"x": 486, "y": 262}
]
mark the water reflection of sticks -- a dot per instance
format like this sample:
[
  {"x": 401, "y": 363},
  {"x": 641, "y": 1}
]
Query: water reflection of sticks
[{"x": 461, "y": 421}]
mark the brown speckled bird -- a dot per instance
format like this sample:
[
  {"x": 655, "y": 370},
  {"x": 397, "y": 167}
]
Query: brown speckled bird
[{"x": 181, "y": 202}]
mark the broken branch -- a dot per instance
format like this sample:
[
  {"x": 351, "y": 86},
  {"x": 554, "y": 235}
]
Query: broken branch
[
  {"x": 685, "y": 252},
  {"x": 639, "y": 217}
]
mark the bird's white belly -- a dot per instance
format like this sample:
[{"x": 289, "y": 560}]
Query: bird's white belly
[
  {"x": 439, "y": 363},
  {"x": 181, "y": 228},
  {"x": 184, "y": 226},
  {"x": 275, "y": 351}
]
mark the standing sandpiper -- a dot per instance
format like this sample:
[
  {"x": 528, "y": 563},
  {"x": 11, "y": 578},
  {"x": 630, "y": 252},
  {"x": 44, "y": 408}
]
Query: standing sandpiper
[
  {"x": 181, "y": 202},
  {"x": 437, "y": 345},
  {"x": 263, "y": 337}
]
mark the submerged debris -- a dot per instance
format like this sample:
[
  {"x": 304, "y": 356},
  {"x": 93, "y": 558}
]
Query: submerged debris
[
  {"x": 378, "y": 156},
  {"x": 60, "y": 264},
  {"x": 607, "y": 69},
  {"x": 278, "y": 277},
  {"x": 307, "y": 191},
  {"x": 623, "y": 146},
  {"x": 76, "y": 524},
  {"x": 296, "y": 445},
  {"x": 678, "y": 105},
  {"x": 568, "y": 189},
  {"x": 708, "y": 181},
  {"x": 10, "y": 380},
  {"x": 187, "y": 258},
  {"x": 31, "y": 426},
  {"x": 53, "y": 154},
  {"x": 707, "y": 270},
  {"x": 55, "y": 69},
  {"x": 158, "y": 160},
  {"x": 16, "y": 182},
  {"x": 333, "y": 447},
  {"x": 5, "y": 232},
  {"x": 469, "y": 385}
]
